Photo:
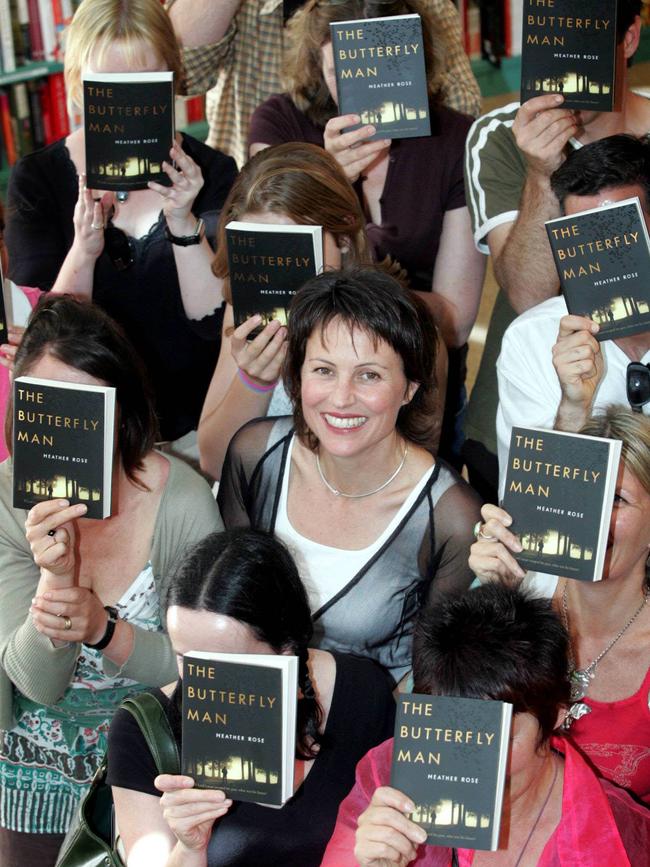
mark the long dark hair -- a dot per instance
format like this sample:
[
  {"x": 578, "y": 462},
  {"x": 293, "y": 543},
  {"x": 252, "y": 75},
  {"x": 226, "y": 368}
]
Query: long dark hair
[
  {"x": 251, "y": 576},
  {"x": 83, "y": 336}
]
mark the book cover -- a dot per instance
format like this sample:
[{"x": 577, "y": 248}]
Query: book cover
[
  {"x": 267, "y": 264},
  {"x": 569, "y": 47},
  {"x": 602, "y": 257},
  {"x": 35, "y": 34},
  {"x": 129, "y": 128},
  {"x": 58, "y": 106},
  {"x": 559, "y": 492},
  {"x": 239, "y": 724},
  {"x": 449, "y": 757},
  {"x": 63, "y": 443},
  {"x": 381, "y": 74}
]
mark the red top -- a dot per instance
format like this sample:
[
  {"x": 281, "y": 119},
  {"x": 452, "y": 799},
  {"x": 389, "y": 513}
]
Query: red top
[
  {"x": 601, "y": 826},
  {"x": 626, "y": 761}
]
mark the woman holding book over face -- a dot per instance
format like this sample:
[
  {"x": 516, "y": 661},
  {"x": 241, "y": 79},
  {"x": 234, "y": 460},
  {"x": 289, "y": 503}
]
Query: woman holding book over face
[
  {"x": 289, "y": 184},
  {"x": 411, "y": 190},
  {"x": 494, "y": 643},
  {"x": 80, "y": 624},
  {"x": 372, "y": 518},
  {"x": 240, "y": 593},
  {"x": 608, "y": 621},
  {"x": 141, "y": 254}
]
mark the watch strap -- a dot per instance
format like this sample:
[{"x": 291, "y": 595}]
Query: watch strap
[
  {"x": 187, "y": 240},
  {"x": 110, "y": 629}
]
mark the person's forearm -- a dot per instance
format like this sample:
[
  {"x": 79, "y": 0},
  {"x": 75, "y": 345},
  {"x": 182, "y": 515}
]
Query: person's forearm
[
  {"x": 201, "y": 22},
  {"x": 76, "y": 274},
  {"x": 219, "y": 423},
  {"x": 524, "y": 268},
  {"x": 201, "y": 291},
  {"x": 448, "y": 318},
  {"x": 570, "y": 416},
  {"x": 183, "y": 857}
]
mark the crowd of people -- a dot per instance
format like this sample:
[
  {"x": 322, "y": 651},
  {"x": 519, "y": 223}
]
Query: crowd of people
[{"x": 339, "y": 528}]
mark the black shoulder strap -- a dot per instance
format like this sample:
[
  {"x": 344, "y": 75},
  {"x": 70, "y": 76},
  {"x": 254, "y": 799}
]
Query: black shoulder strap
[{"x": 154, "y": 725}]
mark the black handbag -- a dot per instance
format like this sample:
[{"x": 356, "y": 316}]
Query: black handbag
[{"x": 89, "y": 842}]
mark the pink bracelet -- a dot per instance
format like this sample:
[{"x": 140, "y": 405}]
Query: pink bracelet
[{"x": 254, "y": 386}]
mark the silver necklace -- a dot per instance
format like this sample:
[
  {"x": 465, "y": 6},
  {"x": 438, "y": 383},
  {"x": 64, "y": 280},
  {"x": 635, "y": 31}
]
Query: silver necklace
[
  {"x": 581, "y": 677},
  {"x": 539, "y": 815},
  {"x": 381, "y": 487}
]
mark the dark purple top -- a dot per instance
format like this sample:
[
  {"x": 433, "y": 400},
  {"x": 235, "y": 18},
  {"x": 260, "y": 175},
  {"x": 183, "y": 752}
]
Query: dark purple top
[{"x": 424, "y": 180}]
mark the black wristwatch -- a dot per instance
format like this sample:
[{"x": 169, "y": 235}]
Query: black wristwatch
[
  {"x": 110, "y": 629},
  {"x": 187, "y": 240}
]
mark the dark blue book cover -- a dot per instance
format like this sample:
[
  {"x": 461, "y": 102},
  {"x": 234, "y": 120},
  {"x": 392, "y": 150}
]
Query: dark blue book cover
[
  {"x": 63, "y": 442},
  {"x": 602, "y": 257},
  {"x": 239, "y": 724},
  {"x": 268, "y": 264},
  {"x": 449, "y": 757},
  {"x": 569, "y": 47},
  {"x": 381, "y": 74},
  {"x": 559, "y": 492},
  {"x": 128, "y": 128}
]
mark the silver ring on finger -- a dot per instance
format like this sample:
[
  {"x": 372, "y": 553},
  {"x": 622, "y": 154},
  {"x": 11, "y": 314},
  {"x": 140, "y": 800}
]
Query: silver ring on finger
[{"x": 96, "y": 227}]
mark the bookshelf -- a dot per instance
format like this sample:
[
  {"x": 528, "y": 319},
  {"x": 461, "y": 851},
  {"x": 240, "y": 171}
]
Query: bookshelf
[{"x": 34, "y": 69}]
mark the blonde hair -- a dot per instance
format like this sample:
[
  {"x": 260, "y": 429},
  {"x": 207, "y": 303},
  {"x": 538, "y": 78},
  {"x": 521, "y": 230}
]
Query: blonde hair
[
  {"x": 633, "y": 429},
  {"x": 98, "y": 24},
  {"x": 301, "y": 181}
]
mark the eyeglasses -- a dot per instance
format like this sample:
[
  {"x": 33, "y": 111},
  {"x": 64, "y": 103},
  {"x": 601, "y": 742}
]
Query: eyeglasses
[
  {"x": 637, "y": 384},
  {"x": 119, "y": 247}
]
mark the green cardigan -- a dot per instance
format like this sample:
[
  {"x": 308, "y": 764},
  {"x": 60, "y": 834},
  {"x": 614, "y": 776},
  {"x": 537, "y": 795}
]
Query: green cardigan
[{"x": 28, "y": 659}]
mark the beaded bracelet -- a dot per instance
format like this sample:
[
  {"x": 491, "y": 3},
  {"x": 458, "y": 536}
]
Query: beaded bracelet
[{"x": 254, "y": 386}]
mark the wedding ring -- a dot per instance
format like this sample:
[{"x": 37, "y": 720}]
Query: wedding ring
[
  {"x": 479, "y": 534},
  {"x": 93, "y": 226},
  {"x": 67, "y": 623}
]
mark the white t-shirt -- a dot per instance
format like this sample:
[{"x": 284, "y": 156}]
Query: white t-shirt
[{"x": 529, "y": 390}]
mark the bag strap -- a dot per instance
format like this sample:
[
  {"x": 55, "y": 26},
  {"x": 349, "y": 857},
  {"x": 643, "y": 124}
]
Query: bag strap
[{"x": 154, "y": 725}]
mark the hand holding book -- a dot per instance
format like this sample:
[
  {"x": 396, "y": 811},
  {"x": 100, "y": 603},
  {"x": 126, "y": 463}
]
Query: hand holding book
[
  {"x": 579, "y": 364},
  {"x": 261, "y": 358},
  {"x": 490, "y": 558},
  {"x": 350, "y": 149},
  {"x": 385, "y": 836},
  {"x": 542, "y": 129},
  {"x": 190, "y": 812},
  {"x": 50, "y": 531},
  {"x": 178, "y": 199}
]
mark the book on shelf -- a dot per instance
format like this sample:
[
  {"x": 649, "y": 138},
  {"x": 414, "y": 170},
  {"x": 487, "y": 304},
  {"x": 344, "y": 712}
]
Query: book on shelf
[
  {"x": 602, "y": 257},
  {"x": 449, "y": 757},
  {"x": 129, "y": 128},
  {"x": 7, "y": 51},
  {"x": 559, "y": 491},
  {"x": 267, "y": 265},
  {"x": 569, "y": 47},
  {"x": 63, "y": 443},
  {"x": 381, "y": 75},
  {"x": 239, "y": 724},
  {"x": 6, "y": 125}
]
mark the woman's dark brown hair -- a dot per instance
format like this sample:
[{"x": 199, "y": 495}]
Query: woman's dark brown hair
[
  {"x": 300, "y": 181},
  {"x": 83, "y": 336},
  {"x": 374, "y": 302},
  {"x": 309, "y": 29}
]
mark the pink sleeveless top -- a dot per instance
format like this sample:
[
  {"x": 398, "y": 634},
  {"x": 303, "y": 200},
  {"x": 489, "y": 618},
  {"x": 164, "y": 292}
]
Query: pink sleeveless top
[{"x": 615, "y": 737}]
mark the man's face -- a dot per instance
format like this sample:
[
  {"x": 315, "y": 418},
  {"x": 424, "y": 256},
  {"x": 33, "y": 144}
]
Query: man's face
[{"x": 573, "y": 204}]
